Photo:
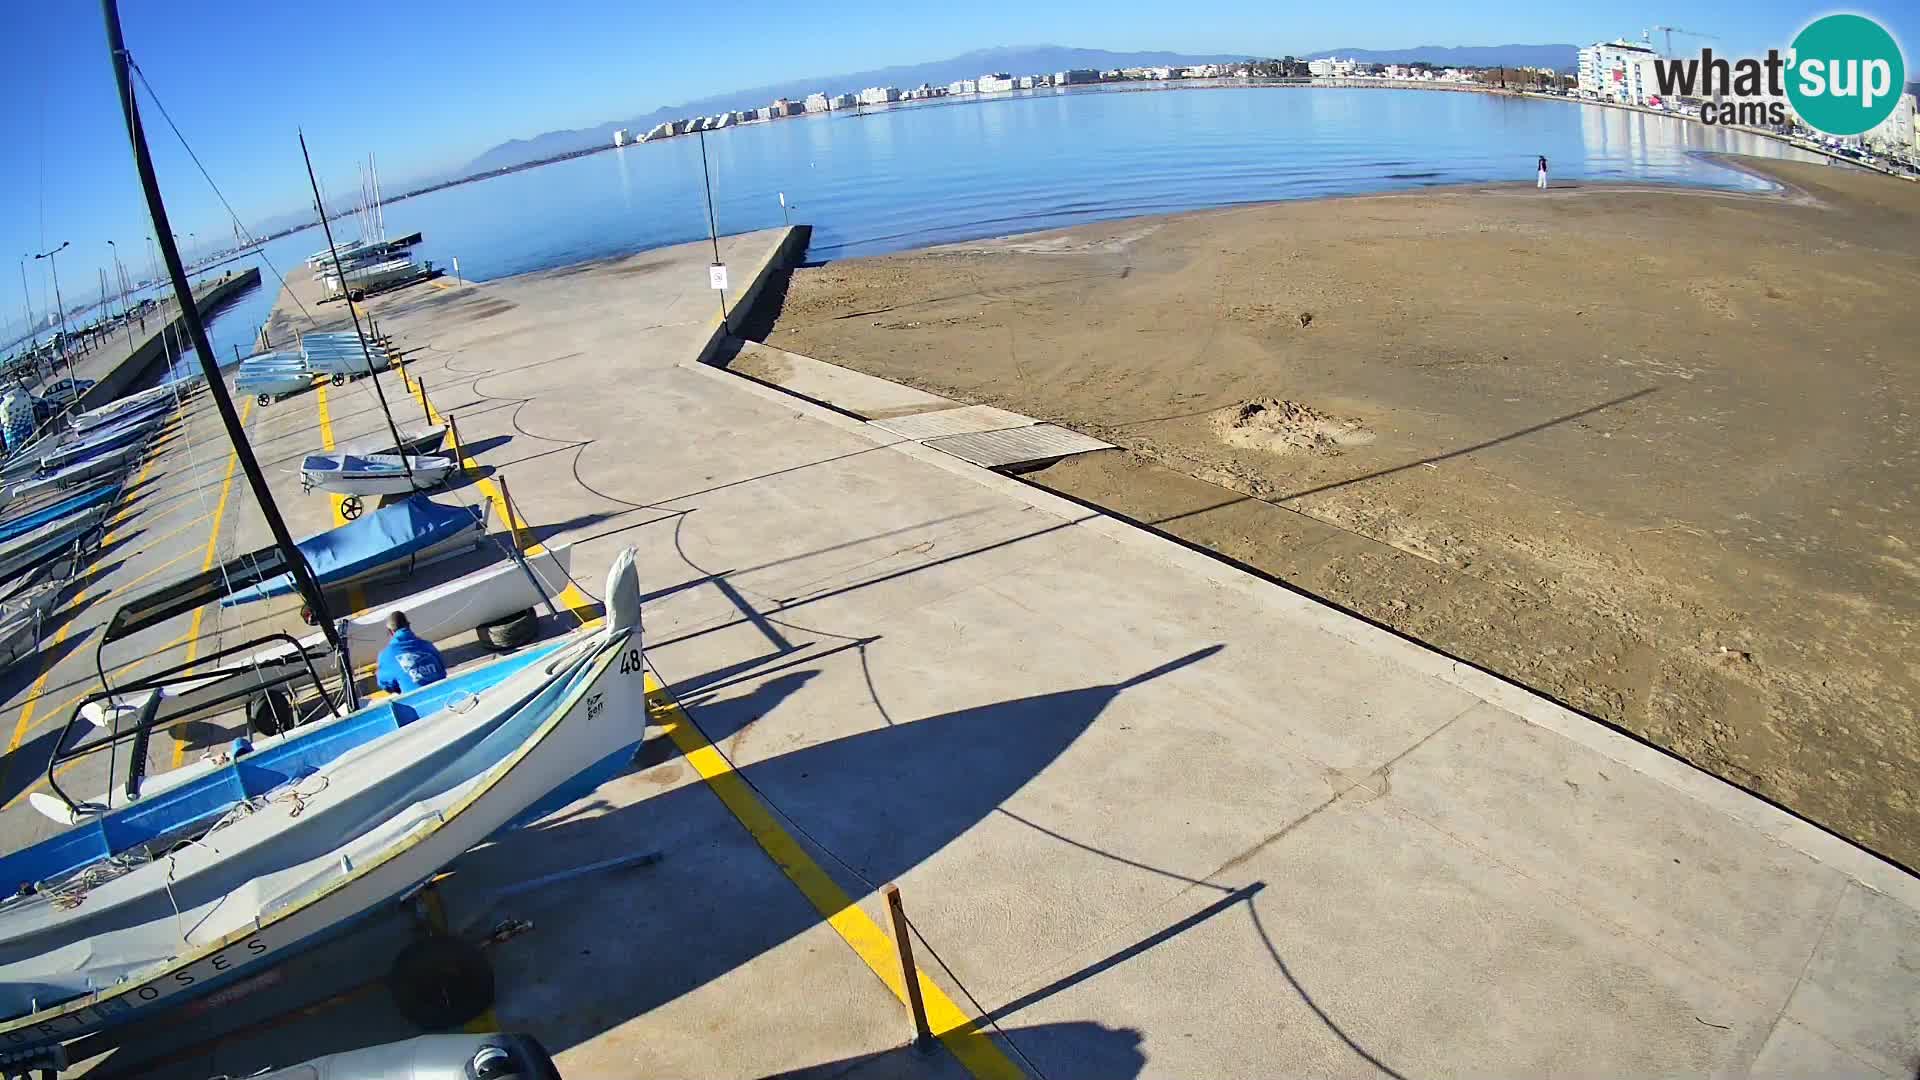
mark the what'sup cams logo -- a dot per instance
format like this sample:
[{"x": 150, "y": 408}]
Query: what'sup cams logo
[{"x": 1843, "y": 76}]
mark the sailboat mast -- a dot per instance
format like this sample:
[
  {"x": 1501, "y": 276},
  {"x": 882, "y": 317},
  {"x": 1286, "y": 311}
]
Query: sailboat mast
[
  {"x": 346, "y": 294},
  {"x": 379, "y": 197},
  {"x": 197, "y": 332}
]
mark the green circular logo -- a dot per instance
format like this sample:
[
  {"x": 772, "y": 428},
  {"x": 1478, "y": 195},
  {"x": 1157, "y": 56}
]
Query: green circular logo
[{"x": 1846, "y": 74}]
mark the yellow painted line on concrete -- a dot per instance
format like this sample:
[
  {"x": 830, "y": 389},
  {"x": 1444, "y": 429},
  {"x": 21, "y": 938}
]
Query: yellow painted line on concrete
[
  {"x": 138, "y": 479},
  {"x": 121, "y": 590},
  {"x": 326, "y": 418},
  {"x": 571, "y": 597},
  {"x": 961, "y": 1034},
  {"x": 61, "y": 710},
  {"x": 212, "y": 556},
  {"x": 178, "y": 530},
  {"x": 25, "y": 721},
  {"x": 326, "y": 443}
]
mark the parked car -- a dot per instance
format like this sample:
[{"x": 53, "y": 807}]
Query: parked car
[{"x": 63, "y": 391}]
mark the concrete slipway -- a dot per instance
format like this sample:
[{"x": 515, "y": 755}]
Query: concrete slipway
[{"x": 1159, "y": 817}]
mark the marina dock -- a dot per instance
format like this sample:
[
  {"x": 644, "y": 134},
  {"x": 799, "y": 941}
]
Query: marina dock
[
  {"x": 136, "y": 355},
  {"x": 1149, "y": 814}
]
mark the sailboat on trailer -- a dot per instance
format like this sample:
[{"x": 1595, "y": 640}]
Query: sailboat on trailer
[{"x": 145, "y": 905}]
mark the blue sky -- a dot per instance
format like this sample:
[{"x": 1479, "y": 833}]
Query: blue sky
[{"x": 240, "y": 77}]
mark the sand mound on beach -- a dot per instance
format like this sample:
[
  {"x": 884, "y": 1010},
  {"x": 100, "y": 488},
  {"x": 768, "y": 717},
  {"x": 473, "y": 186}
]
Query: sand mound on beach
[{"x": 1286, "y": 427}]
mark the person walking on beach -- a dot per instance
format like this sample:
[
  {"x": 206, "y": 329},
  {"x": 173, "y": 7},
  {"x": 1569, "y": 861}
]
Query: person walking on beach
[{"x": 1542, "y": 182}]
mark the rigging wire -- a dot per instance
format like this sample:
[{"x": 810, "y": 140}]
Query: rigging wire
[
  {"x": 244, "y": 231},
  {"x": 223, "y": 551}
]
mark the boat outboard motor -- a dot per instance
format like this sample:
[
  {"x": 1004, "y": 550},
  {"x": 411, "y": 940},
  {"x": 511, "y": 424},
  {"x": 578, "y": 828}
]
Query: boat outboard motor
[{"x": 431, "y": 1057}]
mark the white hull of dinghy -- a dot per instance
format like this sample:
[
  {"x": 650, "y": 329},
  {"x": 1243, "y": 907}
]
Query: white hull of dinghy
[
  {"x": 436, "y": 614},
  {"x": 329, "y": 472},
  {"x": 602, "y": 713}
]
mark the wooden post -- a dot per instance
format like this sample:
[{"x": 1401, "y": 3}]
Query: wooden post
[
  {"x": 460, "y": 456},
  {"x": 424, "y": 411},
  {"x": 922, "y": 1032},
  {"x": 513, "y": 520}
]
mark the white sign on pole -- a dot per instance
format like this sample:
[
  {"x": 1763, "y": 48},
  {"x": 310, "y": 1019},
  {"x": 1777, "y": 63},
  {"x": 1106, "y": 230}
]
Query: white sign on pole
[{"x": 717, "y": 276}]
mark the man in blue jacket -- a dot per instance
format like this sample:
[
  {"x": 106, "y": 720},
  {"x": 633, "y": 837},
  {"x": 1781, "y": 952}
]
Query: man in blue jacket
[{"x": 409, "y": 661}]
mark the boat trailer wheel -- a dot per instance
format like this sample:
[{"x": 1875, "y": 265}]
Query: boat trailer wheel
[
  {"x": 439, "y": 982},
  {"x": 350, "y": 507},
  {"x": 339, "y": 379},
  {"x": 264, "y": 400},
  {"x": 270, "y": 713}
]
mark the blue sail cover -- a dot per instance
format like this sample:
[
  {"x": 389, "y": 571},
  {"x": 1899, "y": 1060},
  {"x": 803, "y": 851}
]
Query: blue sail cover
[
  {"x": 387, "y": 535},
  {"x": 86, "y": 500}
]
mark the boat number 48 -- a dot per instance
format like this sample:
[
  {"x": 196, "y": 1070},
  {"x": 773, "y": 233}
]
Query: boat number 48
[{"x": 630, "y": 664}]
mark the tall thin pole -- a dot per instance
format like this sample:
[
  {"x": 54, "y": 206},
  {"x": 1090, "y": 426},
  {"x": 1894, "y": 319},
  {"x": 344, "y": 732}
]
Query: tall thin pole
[
  {"x": 209, "y": 363},
  {"x": 713, "y": 229},
  {"x": 399, "y": 447},
  {"x": 60, "y": 305},
  {"x": 31, "y": 328}
]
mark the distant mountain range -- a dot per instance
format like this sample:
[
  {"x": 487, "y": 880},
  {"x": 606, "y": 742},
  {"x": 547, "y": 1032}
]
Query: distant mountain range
[
  {"x": 1557, "y": 57},
  {"x": 1018, "y": 60}
]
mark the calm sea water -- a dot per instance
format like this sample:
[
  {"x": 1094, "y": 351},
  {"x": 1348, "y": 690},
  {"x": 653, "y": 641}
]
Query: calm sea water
[{"x": 907, "y": 177}]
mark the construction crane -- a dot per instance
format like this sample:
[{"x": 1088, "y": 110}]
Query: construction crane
[{"x": 1672, "y": 30}]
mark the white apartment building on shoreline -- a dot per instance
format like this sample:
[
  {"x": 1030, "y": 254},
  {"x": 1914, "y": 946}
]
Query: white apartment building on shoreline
[{"x": 1619, "y": 71}]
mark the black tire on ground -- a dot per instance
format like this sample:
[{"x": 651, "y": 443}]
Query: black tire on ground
[
  {"x": 350, "y": 507},
  {"x": 264, "y": 400},
  {"x": 270, "y": 713},
  {"x": 440, "y": 982},
  {"x": 511, "y": 632},
  {"x": 339, "y": 379}
]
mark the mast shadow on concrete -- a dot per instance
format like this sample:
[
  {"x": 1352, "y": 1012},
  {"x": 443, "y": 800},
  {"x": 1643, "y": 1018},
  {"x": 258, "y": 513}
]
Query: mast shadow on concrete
[{"x": 868, "y": 807}]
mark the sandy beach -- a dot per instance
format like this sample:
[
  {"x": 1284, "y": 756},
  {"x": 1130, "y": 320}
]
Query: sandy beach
[{"x": 1651, "y": 452}]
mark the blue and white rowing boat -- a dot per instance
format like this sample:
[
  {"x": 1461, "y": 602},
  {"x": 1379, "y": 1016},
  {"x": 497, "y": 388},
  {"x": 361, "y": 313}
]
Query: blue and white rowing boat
[
  {"x": 436, "y": 614},
  {"x": 123, "y": 917}
]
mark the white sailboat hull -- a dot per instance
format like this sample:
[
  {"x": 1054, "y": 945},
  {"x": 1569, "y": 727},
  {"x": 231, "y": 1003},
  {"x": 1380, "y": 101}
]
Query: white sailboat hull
[
  {"x": 598, "y": 716},
  {"x": 436, "y": 614},
  {"x": 338, "y": 473},
  {"x": 77, "y": 474}
]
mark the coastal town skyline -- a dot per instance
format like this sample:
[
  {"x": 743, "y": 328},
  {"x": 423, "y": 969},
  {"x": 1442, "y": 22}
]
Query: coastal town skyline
[{"x": 76, "y": 186}]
